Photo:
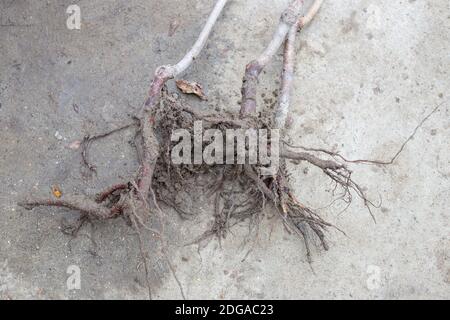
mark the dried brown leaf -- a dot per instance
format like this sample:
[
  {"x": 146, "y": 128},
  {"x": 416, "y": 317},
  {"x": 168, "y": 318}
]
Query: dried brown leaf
[
  {"x": 191, "y": 88},
  {"x": 56, "y": 192}
]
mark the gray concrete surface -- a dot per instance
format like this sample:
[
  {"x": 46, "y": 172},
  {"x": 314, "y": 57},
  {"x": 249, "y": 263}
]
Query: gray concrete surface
[{"x": 367, "y": 73}]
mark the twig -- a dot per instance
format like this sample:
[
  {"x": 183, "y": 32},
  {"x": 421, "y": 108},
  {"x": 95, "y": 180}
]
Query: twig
[
  {"x": 287, "y": 77},
  {"x": 150, "y": 150},
  {"x": 306, "y": 19},
  {"x": 254, "y": 68},
  {"x": 164, "y": 73},
  {"x": 181, "y": 66}
]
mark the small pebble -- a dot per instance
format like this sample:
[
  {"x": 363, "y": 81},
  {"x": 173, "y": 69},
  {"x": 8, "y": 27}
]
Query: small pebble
[{"x": 58, "y": 135}]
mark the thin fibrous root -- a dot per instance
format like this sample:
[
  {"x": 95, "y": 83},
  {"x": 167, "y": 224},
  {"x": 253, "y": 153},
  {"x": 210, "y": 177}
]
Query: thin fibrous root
[
  {"x": 148, "y": 147},
  {"x": 87, "y": 141}
]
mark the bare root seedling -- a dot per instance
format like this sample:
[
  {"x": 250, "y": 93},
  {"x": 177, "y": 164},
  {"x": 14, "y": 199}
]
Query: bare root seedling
[{"x": 240, "y": 192}]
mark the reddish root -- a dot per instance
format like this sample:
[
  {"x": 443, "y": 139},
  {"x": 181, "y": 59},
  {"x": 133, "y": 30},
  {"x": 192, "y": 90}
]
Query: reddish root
[{"x": 80, "y": 203}]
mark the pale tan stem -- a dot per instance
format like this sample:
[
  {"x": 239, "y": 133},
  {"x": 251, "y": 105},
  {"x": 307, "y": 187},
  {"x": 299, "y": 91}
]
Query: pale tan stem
[
  {"x": 166, "y": 72},
  {"x": 306, "y": 19},
  {"x": 287, "y": 78},
  {"x": 254, "y": 68}
]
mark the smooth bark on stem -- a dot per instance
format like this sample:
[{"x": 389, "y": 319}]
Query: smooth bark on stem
[
  {"x": 150, "y": 143},
  {"x": 254, "y": 68},
  {"x": 181, "y": 66},
  {"x": 166, "y": 72},
  {"x": 306, "y": 19},
  {"x": 162, "y": 75},
  {"x": 287, "y": 77}
]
